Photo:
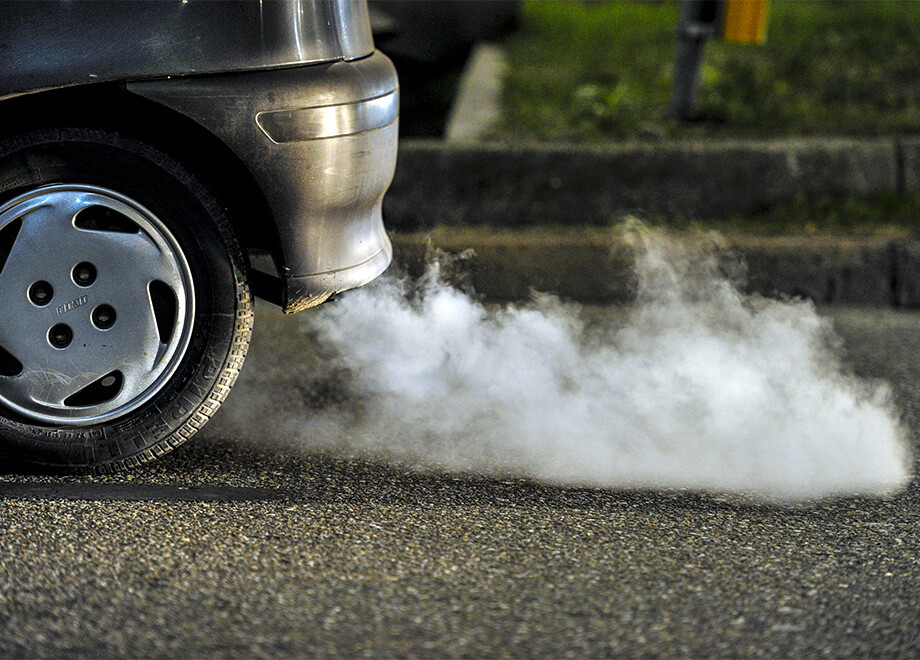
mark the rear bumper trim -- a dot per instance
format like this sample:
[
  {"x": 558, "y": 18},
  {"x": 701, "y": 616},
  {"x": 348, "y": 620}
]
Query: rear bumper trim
[
  {"x": 329, "y": 121},
  {"x": 323, "y": 156},
  {"x": 301, "y": 293}
]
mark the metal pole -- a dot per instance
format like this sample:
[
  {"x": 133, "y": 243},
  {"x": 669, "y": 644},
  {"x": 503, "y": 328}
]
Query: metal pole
[{"x": 697, "y": 22}]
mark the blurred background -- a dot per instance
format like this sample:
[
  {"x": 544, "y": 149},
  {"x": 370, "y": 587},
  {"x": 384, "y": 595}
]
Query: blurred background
[
  {"x": 588, "y": 70},
  {"x": 603, "y": 72}
]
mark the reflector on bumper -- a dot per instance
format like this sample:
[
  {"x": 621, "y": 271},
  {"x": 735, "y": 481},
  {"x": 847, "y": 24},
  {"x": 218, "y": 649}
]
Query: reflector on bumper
[{"x": 329, "y": 121}]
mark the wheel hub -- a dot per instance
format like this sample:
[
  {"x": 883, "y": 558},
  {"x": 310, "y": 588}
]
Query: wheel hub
[{"x": 98, "y": 305}]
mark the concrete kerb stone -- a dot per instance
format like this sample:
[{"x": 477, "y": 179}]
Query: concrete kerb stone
[
  {"x": 909, "y": 163},
  {"x": 508, "y": 191},
  {"x": 905, "y": 275},
  {"x": 589, "y": 265},
  {"x": 519, "y": 185},
  {"x": 585, "y": 266},
  {"x": 477, "y": 104},
  {"x": 823, "y": 269}
]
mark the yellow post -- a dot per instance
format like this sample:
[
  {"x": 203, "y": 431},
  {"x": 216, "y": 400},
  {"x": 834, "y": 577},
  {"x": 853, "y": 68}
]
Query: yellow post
[{"x": 745, "y": 21}]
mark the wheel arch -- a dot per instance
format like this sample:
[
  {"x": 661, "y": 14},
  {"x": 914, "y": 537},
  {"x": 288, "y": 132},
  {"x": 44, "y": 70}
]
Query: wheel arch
[{"x": 111, "y": 106}]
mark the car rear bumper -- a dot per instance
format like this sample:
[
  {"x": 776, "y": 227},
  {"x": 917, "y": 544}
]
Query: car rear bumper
[{"x": 320, "y": 141}]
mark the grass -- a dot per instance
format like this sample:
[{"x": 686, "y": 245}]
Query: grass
[
  {"x": 878, "y": 214},
  {"x": 589, "y": 71},
  {"x": 881, "y": 215}
]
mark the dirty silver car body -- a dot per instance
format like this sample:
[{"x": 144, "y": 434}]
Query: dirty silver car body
[
  {"x": 280, "y": 116},
  {"x": 293, "y": 87}
]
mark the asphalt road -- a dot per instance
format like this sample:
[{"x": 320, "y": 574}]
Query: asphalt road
[{"x": 240, "y": 546}]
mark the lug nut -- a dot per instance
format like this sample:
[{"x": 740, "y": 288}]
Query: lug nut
[
  {"x": 41, "y": 293},
  {"x": 84, "y": 274},
  {"x": 103, "y": 317},
  {"x": 60, "y": 335}
]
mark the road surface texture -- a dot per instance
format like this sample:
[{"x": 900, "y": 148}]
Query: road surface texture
[{"x": 237, "y": 546}]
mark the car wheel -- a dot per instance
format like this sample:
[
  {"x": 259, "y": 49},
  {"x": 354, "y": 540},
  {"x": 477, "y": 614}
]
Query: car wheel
[{"x": 125, "y": 310}]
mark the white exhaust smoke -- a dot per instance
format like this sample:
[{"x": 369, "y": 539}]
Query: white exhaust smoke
[{"x": 695, "y": 386}]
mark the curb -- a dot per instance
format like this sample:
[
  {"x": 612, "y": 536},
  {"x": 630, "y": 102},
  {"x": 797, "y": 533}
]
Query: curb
[
  {"x": 589, "y": 265},
  {"x": 521, "y": 185},
  {"x": 477, "y": 103}
]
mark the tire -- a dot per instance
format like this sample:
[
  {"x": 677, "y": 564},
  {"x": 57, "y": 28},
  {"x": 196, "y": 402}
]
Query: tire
[{"x": 127, "y": 298}]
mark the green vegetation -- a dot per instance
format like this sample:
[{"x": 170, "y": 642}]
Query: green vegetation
[
  {"x": 602, "y": 70},
  {"x": 887, "y": 214},
  {"x": 878, "y": 214}
]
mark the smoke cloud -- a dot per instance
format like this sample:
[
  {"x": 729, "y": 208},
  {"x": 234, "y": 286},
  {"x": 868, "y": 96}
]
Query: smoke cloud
[{"x": 694, "y": 386}]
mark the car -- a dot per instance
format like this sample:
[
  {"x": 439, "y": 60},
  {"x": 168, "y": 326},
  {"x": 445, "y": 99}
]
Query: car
[{"x": 147, "y": 149}]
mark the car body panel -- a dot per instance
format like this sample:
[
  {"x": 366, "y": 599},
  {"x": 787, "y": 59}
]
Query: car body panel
[
  {"x": 134, "y": 39},
  {"x": 321, "y": 143}
]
